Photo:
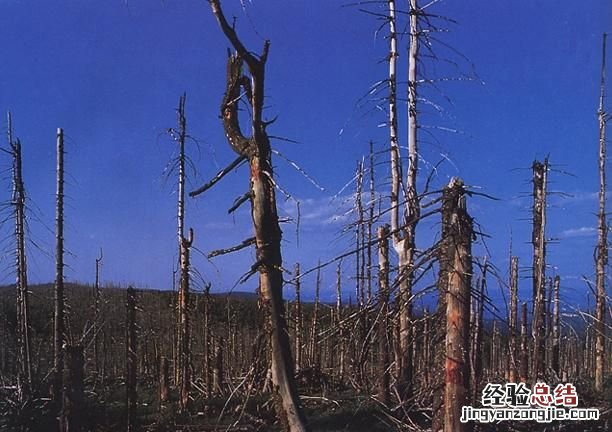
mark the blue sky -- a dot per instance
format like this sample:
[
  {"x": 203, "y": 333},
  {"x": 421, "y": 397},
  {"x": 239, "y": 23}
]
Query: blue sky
[{"x": 110, "y": 73}]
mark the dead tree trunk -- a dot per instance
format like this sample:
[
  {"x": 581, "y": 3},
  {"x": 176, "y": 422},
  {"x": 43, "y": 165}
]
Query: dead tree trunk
[
  {"x": 131, "y": 359},
  {"x": 185, "y": 355},
  {"x": 524, "y": 353},
  {"x": 339, "y": 318},
  {"x": 24, "y": 374},
  {"x": 513, "y": 321},
  {"x": 538, "y": 326},
  {"x": 58, "y": 328},
  {"x": 601, "y": 254},
  {"x": 256, "y": 149},
  {"x": 383, "y": 316},
  {"x": 456, "y": 250}
]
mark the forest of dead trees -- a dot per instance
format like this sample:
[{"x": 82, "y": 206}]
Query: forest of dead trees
[{"x": 78, "y": 357}]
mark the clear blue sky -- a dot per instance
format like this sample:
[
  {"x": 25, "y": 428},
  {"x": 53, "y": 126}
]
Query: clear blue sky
[{"x": 110, "y": 73}]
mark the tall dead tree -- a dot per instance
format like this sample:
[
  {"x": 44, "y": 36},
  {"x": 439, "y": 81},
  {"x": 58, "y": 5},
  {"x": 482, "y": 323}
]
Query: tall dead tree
[
  {"x": 601, "y": 253},
  {"x": 58, "y": 325},
  {"x": 257, "y": 151},
  {"x": 404, "y": 233},
  {"x": 24, "y": 363},
  {"x": 538, "y": 327},
  {"x": 185, "y": 243},
  {"x": 456, "y": 260}
]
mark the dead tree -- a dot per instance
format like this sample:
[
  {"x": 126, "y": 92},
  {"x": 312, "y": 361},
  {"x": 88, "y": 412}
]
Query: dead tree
[
  {"x": 513, "y": 321},
  {"x": 257, "y": 151},
  {"x": 456, "y": 254},
  {"x": 538, "y": 326},
  {"x": 131, "y": 358},
  {"x": 183, "y": 336},
  {"x": 24, "y": 363},
  {"x": 404, "y": 234},
  {"x": 383, "y": 316},
  {"x": 601, "y": 253},
  {"x": 58, "y": 327}
]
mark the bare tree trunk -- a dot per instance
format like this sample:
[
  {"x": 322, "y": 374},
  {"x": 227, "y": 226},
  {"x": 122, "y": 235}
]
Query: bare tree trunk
[
  {"x": 131, "y": 359},
  {"x": 524, "y": 353},
  {"x": 58, "y": 329},
  {"x": 601, "y": 254},
  {"x": 340, "y": 323},
  {"x": 538, "y": 327},
  {"x": 383, "y": 320},
  {"x": 24, "y": 375},
  {"x": 184, "y": 355},
  {"x": 513, "y": 321},
  {"x": 477, "y": 311},
  {"x": 256, "y": 150},
  {"x": 457, "y": 251}
]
